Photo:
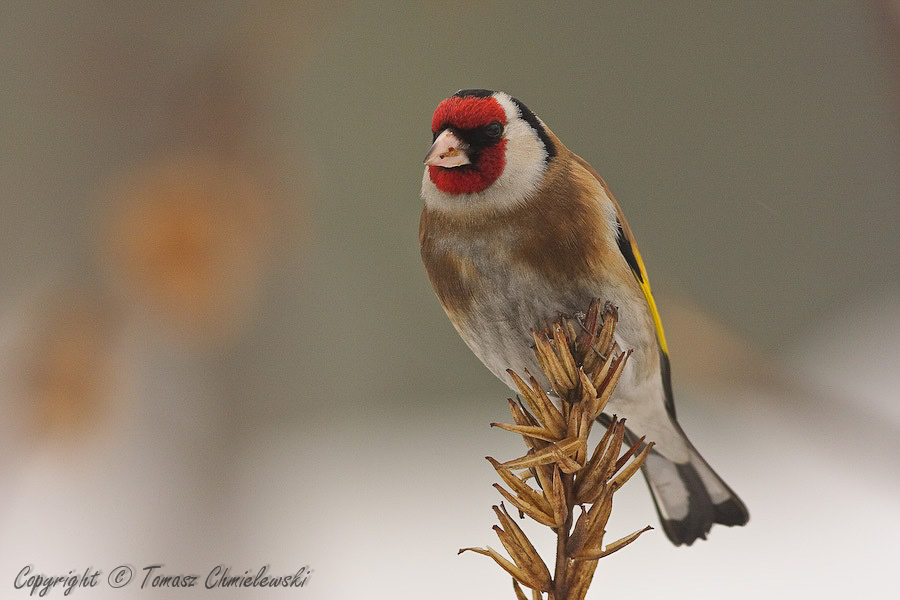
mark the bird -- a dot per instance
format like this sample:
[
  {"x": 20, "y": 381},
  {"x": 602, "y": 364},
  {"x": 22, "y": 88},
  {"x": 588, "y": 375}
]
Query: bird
[{"x": 516, "y": 229}]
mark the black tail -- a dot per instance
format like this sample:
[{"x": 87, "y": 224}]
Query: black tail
[{"x": 690, "y": 497}]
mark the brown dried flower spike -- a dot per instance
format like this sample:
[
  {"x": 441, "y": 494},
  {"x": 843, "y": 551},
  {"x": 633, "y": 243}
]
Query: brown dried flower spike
[{"x": 582, "y": 362}]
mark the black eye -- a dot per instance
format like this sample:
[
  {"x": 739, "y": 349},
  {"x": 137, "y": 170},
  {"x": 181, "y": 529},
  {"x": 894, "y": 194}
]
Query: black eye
[{"x": 494, "y": 130}]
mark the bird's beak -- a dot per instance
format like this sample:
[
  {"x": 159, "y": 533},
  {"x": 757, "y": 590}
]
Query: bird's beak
[{"x": 447, "y": 151}]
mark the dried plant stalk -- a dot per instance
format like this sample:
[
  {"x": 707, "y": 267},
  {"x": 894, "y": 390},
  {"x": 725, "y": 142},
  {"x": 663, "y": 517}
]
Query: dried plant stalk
[{"x": 582, "y": 363}]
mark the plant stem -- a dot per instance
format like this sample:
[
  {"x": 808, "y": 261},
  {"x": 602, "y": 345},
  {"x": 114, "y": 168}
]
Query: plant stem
[{"x": 560, "y": 582}]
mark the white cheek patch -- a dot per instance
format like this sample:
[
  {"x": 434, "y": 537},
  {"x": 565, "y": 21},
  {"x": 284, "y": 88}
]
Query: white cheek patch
[{"x": 525, "y": 166}]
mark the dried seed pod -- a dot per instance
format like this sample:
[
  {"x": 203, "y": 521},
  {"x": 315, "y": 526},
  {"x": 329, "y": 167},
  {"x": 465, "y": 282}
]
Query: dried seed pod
[
  {"x": 582, "y": 362},
  {"x": 524, "y": 491}
]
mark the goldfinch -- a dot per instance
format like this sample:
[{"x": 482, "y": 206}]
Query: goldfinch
[{"x": 516, "y": 230}]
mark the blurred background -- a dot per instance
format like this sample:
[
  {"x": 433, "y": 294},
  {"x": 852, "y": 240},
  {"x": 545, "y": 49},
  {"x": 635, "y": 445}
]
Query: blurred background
[{"x": 218, "y": 345}]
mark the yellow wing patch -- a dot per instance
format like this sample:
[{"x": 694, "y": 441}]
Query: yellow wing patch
[{"x": 648, "y": 294}]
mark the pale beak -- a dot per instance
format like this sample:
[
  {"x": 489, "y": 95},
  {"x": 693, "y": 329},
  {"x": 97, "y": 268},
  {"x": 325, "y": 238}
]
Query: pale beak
[{"x": 447, "y": 151}]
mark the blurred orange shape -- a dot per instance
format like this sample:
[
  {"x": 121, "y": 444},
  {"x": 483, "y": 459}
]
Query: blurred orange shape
[
  {"x": 68, "y": 366},
  {"x": 187, "y": 239}
]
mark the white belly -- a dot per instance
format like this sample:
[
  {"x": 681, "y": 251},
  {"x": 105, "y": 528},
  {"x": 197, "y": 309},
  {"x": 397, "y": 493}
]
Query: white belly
[{"x": 498, "y": 330}]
